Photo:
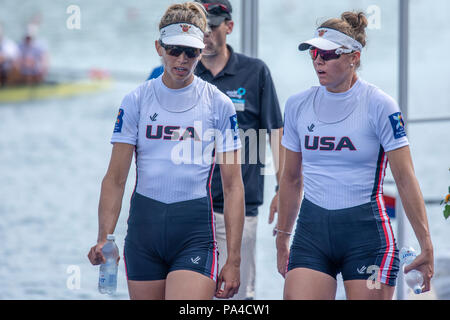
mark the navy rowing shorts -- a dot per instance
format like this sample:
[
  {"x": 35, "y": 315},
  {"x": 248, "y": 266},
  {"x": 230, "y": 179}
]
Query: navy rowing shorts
[
  {"x": 162, "y": 238},
  {"x": 357, "y": 242}
]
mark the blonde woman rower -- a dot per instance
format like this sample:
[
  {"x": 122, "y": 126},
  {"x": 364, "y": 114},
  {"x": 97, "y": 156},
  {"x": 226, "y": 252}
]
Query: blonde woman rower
[{"x": 170, "y": 247}]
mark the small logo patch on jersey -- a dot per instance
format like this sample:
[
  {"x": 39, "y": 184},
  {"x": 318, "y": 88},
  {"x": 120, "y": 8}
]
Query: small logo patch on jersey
[
  {"x": 234, "y": 126},
  {"x": 398, "y": 126},
  {"x": 361, "y": 270},
  {"x": 195, "y": 260},
  {"x": 311, "y": 127},
  {"x": 153, "y": 117},
  {"x": 119, "y": 121}
]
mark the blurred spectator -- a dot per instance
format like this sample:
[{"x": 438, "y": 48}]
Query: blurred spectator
[
  {"x": 33, "y": 58},
  {"x": 9, "y": 56}
]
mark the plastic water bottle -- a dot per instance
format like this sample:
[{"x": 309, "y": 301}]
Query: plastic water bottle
[
  {"x": 107, "y": 280},
  {"x": 414, "y": 278}
]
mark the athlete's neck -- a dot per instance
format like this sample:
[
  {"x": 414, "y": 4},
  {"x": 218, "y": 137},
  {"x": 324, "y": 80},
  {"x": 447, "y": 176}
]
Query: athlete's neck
[
  {"x": 171, "y": 83},
  {"x": 345, "y": 85},
  {"x": 216, "y": 62}
]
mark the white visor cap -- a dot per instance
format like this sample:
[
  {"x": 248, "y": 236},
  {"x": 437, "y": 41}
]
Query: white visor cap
[
  {"x": 330, "y": 39},
  {"x": 182, "y": 34}
]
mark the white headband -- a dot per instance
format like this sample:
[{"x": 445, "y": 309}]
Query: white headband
[
  {"x": 330, "y": 39},
  {"x": 182, "y": 34}
]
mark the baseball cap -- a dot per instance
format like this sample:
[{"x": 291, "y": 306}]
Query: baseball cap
[
  {"x": 218, "y": 11},
  {"x": 330, "y": 39},
  {"x": 182, "y": 34}
]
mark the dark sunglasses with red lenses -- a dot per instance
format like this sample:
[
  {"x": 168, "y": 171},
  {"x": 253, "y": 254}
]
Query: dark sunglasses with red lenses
[
  {"x": 176, "y": 51},
  {"x": 327, "y": 55},
  {"x": 216, "y": 7}
]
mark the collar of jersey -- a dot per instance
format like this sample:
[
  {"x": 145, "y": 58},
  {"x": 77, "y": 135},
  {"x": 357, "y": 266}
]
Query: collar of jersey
[
  {"x": 339, "y": 96},
  {"x": 192, "y": 86}
]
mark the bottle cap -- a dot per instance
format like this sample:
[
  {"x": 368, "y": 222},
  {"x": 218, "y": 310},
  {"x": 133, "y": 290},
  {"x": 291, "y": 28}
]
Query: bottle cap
[
  {"x": 110, "y": 237},
  {"x": 417, "y": 289}
]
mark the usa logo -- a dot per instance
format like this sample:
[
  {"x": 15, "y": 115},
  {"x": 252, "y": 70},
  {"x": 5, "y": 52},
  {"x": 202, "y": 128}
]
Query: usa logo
[
  {"x": 185, "y": 27},
  {"x": 322, "y": 32},
  {"x": 328, "y": 143},
  {"x": 398, "y": 125}
]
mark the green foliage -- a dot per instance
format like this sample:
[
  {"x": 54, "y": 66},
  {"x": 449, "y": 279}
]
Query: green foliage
[{"x": 447, "y": 211}]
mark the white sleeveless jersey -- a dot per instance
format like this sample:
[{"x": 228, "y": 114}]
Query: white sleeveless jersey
[
  {"x": 343, "y": 138},
  {"x": 176, "y": 134}
]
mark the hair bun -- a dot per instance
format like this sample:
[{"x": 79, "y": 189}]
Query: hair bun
[{"x": 357, "y": 20}]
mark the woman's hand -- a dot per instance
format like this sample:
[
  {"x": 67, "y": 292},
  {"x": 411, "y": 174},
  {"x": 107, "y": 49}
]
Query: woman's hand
[
  {"x": 282, "y": 243},
  {"x": 230, "y": 275},
  {"x": 424, "y": 262},
  {"x": 95, "y": 255}
]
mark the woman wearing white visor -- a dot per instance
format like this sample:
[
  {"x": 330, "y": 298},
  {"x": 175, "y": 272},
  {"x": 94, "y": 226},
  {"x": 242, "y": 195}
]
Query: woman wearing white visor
[
  {"x": 339, "y": 137},
  {"x": 175, "y": 124}
]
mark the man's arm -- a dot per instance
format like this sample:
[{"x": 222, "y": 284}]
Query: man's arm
[
  {"x": 278, "y": 151},
  {"x": 278, "y": 154}
]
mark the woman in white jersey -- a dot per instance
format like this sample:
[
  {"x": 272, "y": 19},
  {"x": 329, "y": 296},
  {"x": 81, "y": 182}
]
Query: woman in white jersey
[
  {"x": 176, "y": 125},
  {"x": 339, "y": 138}
]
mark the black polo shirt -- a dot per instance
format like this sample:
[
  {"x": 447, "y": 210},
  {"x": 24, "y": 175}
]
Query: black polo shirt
[{"x": 247, "y": 81}]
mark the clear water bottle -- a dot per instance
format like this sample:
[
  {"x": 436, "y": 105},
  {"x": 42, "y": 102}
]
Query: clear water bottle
[
  {"x": 414, "y": 278},
  {"x": 107, "y": 280}
]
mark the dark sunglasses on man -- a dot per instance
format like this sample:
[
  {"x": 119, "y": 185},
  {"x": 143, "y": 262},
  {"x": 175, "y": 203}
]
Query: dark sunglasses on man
[
  {"x": 215, "y": 8},
  {"x": 176, "y": 51}
]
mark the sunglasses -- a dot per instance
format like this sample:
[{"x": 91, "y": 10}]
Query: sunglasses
[
  {"x": 176, "y": 51},
  {"x": 327, "y": 55},
  {"x": 216, "y": 7}
]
